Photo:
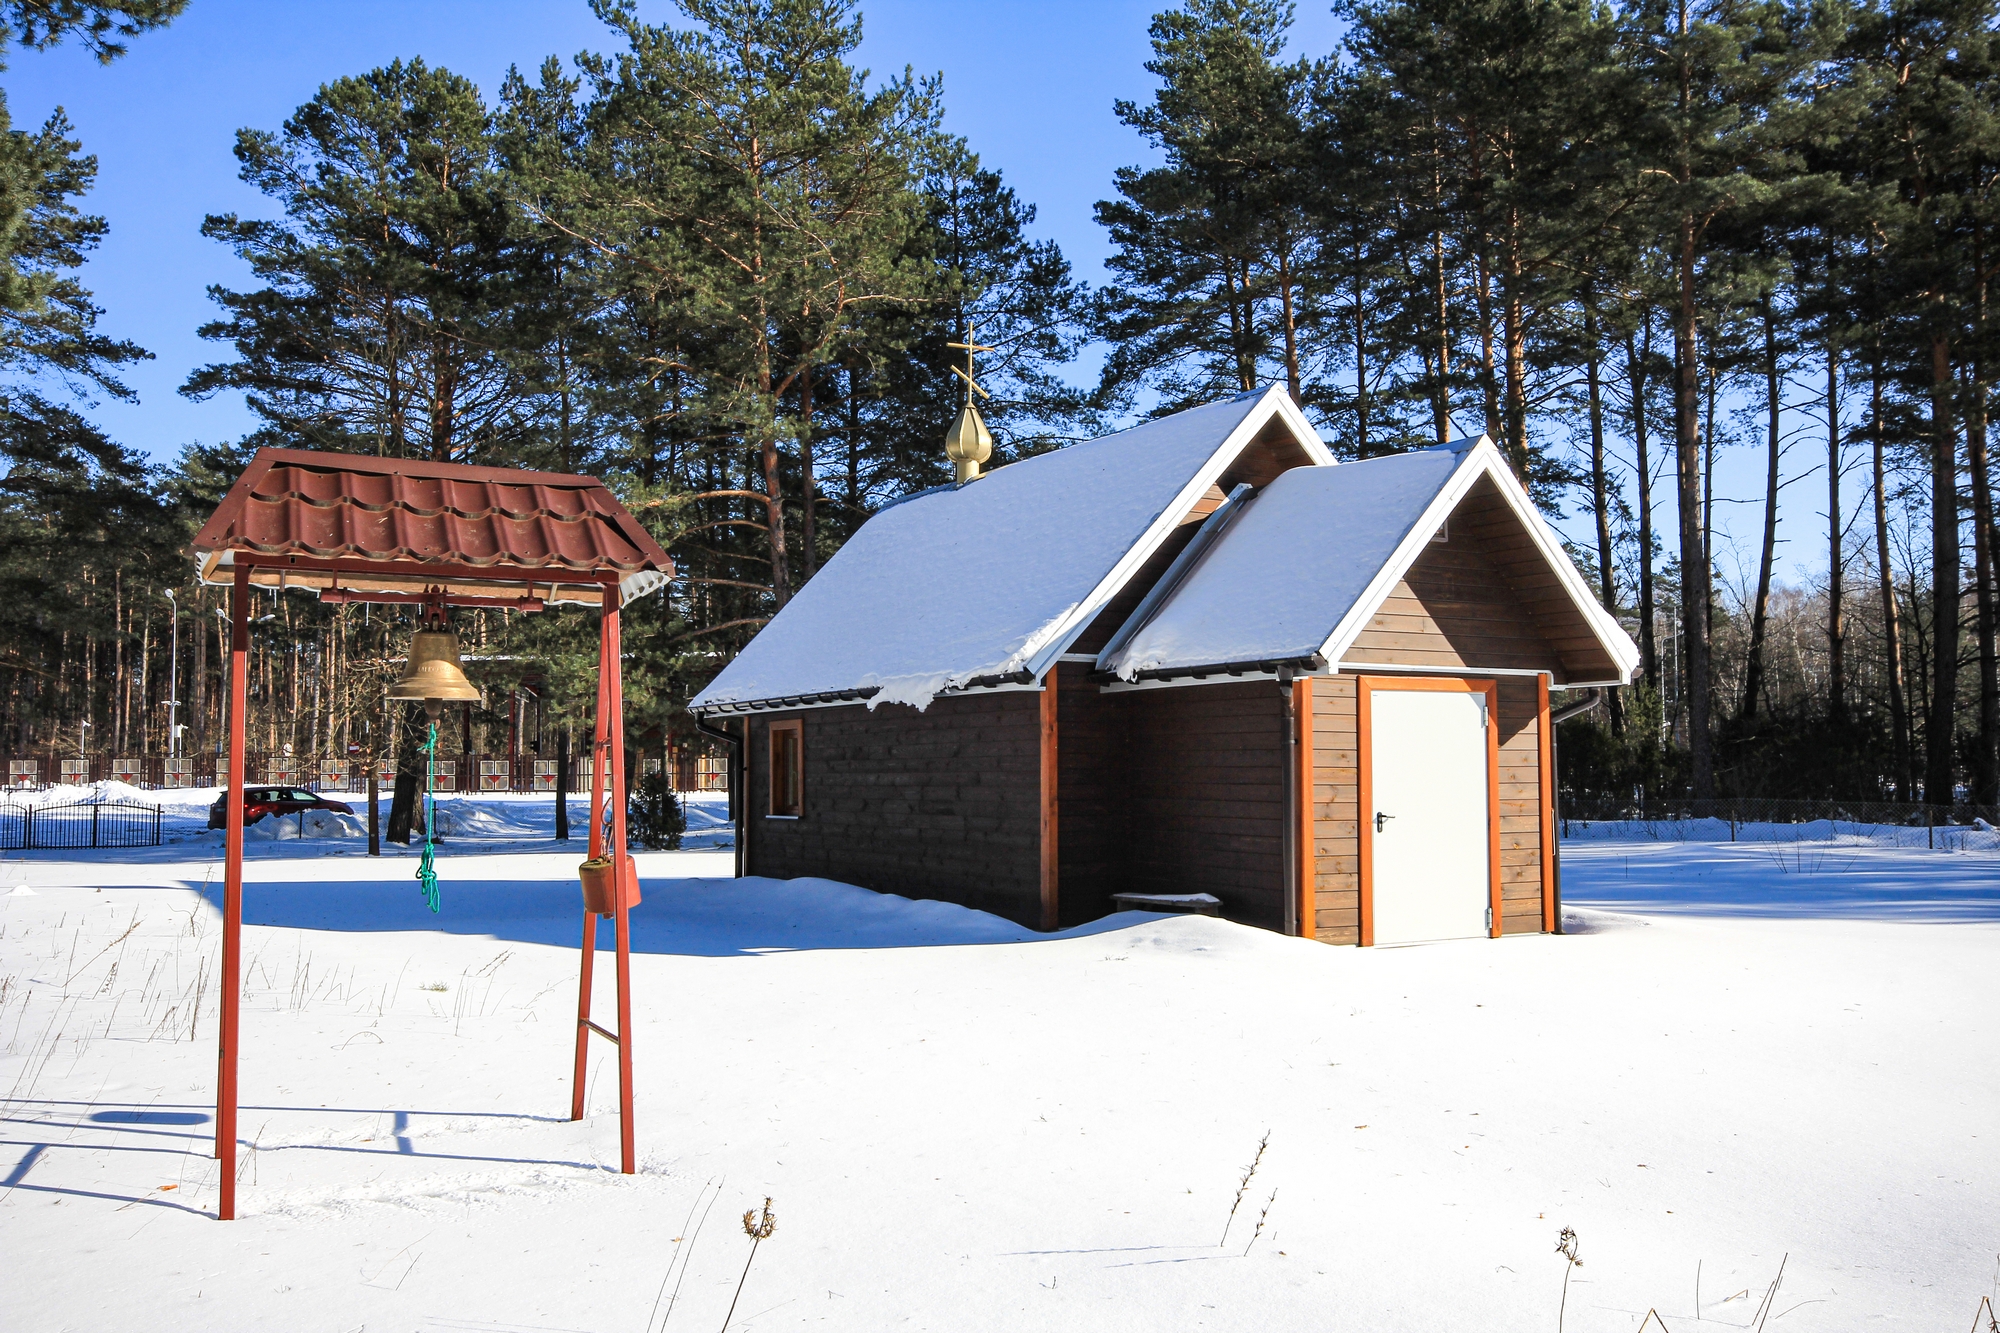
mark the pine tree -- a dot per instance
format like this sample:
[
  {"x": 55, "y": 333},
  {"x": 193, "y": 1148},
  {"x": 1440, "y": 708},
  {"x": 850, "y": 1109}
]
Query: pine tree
[
  {"x": 1214, "y": 266},
  {"x": 385, "y": 320},
  {"x": 749, "y": 185},
  {"x": 1713, "y": 137},
  {"x": 1520, "y": 107},
  {"x": 98, "y": 24}
]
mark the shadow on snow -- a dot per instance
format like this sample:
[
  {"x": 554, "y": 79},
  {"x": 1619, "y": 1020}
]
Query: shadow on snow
[{"x": 698, "y": 917}]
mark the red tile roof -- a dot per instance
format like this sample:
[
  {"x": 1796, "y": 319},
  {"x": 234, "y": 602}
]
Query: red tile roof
[{"x": 409, "y": 520}]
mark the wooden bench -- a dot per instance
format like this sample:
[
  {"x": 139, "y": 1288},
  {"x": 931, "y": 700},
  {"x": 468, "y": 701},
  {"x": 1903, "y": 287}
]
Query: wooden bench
[{"x": 1197, "y": 904}]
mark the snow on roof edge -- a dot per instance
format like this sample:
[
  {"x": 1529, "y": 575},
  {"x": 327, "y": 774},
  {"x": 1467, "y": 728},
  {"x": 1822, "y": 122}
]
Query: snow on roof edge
[
  {"x": 1136, "y": 657},
  {"x": 1025, "y": 650}
]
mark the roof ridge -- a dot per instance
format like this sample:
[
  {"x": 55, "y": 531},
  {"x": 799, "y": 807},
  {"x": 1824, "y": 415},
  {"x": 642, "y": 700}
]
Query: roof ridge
[{"x": 335, "y": 460}]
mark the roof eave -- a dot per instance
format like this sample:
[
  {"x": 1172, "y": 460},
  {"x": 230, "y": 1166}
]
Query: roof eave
[
  {"x": 1303, "y": 663},
  {"x": 860, "y": 694}
]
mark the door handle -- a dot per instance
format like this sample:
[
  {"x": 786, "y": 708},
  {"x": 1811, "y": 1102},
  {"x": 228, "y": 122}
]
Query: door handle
[{"x": 1381, "y": 819}]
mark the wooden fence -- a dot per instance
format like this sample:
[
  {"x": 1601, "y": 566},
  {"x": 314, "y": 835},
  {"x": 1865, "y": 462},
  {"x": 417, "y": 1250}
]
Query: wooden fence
[{"x": 693, "y": 771}]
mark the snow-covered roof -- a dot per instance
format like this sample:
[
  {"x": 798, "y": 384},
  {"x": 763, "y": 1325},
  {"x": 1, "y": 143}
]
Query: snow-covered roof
[
  {"x": 1285, "y": 565},
  {"x": 994, "y": 578},
  {"x": 1293, "y": 573}
]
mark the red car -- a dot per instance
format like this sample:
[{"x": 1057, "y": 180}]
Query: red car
[{"x": 261, "y": 801}]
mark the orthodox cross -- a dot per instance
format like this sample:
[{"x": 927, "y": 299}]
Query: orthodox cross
[{"x": 969, "y": 347}]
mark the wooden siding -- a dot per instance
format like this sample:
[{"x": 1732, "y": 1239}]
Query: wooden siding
[
  {"x": 1273, "y": 451},
  {"x": 1483, "y": 599},
  {"x": 1171, "y": 791},
  {"x": 1336, "y": 815},
  {"x": 1520, "y": 807},
  {"x": 1206, "y": 795},
  {"x": 944, "y": 804},
  {"x": 1486, "y": 517},
  {"x": 1336, "y": 791},
  {"x": 1453, "y": 610}
]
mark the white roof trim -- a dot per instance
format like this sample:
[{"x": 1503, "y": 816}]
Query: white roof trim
[
  {"x": 1204, "y": 537},
  {"x": 1483, "y": 460},
  {"x": 1276, "y": 402}
]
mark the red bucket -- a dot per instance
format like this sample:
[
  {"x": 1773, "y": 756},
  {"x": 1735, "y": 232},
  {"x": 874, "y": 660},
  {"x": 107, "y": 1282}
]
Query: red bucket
[{"x": 597, "y": 886}]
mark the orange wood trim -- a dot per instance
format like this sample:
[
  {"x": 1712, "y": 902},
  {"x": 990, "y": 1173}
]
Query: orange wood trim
[
  {"x": 1493, "y": 806},
  {"x": 1545, "y": 752},
  {"x": 1302, "y": 708},
  {"x": 1440, "y": 684},
  {"x": 1050, "y": 903},
  {"x": 1364, "y": 687},
  {"x": 1364, "y": 796},
  {"x": 750, "y": 822},
  {"x": 796, "y": 726}
]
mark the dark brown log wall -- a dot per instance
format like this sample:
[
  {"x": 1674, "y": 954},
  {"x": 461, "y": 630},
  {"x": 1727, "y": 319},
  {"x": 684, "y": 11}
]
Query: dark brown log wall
[
  {"x": 943, "y": 804},
  {"x": 1206, "y": 812},
  {"x": 1092, "y": 795}
]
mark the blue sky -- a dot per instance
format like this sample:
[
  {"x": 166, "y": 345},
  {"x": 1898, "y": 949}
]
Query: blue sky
[{"x": 1029, "y": 82}]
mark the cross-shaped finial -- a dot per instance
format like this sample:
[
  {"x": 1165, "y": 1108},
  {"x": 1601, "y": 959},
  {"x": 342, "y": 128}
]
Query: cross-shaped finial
[{"x": 969, "y": 347}]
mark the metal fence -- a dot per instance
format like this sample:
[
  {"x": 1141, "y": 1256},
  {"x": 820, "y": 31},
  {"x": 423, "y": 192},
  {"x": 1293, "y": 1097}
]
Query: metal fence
[
  {"x": 1957, "y": 828},
  {"x": 1774, "y": 810},
  {"x": 79, "y": 824}
]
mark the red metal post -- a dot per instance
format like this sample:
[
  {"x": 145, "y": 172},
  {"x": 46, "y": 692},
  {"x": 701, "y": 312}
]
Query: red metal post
[
  {"x": 602, "y": 738},
  {"x": 589, "y": 965},
  {"x": 623, "y": 889},
  {"x": 230, "y": 982}
]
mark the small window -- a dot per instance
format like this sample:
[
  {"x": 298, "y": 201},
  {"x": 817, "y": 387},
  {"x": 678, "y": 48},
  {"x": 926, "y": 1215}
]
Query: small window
[
  {"x": 788, "y": 769},
  {"x": 1443, "y": 534}
]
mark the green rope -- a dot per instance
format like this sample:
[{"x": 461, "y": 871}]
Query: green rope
[{"x": 427, "y": 868}]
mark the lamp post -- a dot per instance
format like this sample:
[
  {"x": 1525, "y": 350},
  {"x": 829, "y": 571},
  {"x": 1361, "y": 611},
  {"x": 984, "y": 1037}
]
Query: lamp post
[{"x": 174, "y": 682}]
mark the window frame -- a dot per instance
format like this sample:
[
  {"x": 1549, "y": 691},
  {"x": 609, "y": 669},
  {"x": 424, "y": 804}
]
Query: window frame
[{"x": 794, "y": 728}]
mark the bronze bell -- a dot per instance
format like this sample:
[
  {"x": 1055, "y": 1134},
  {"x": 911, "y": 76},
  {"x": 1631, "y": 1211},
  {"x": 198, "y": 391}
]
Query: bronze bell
[{"x": 434, "y": 675}]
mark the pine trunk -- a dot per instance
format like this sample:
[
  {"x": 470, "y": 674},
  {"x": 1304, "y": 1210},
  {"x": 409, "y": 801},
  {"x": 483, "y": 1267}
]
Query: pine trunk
[
  {"x": 198, "y": 683},
  {"x": 1600, "y": 493},
  {"x": 1753, "y": 667},
  {"x": 1986, "y": 755},
  {"x": 807, "y": 529},
  {"x": 1694, "y": 562},
  {"x": 1360, "y": 368},
  {"x": 1489, "y": 385},
  {"x": 1441, "y": 399},
  {"x": 1514, "y": 329},
  {"x": 1940, "y": 734},
  {"x": 1649, "y": 649},
  {"x": 1836, "y": 568},
  {"x": 1291, "y": 319}
]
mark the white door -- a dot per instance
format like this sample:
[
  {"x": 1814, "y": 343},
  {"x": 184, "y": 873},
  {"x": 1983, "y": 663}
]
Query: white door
[{"x": 1429, "y": 822}]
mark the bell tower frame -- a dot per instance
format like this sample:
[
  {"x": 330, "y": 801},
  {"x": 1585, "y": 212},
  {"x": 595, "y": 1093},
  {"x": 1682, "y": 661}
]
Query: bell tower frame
[{"x": 343, "y": 525}]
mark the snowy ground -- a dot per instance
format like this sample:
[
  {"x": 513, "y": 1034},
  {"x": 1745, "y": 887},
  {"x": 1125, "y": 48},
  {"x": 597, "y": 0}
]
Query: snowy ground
[{"x": 1748, "y": 1055}]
